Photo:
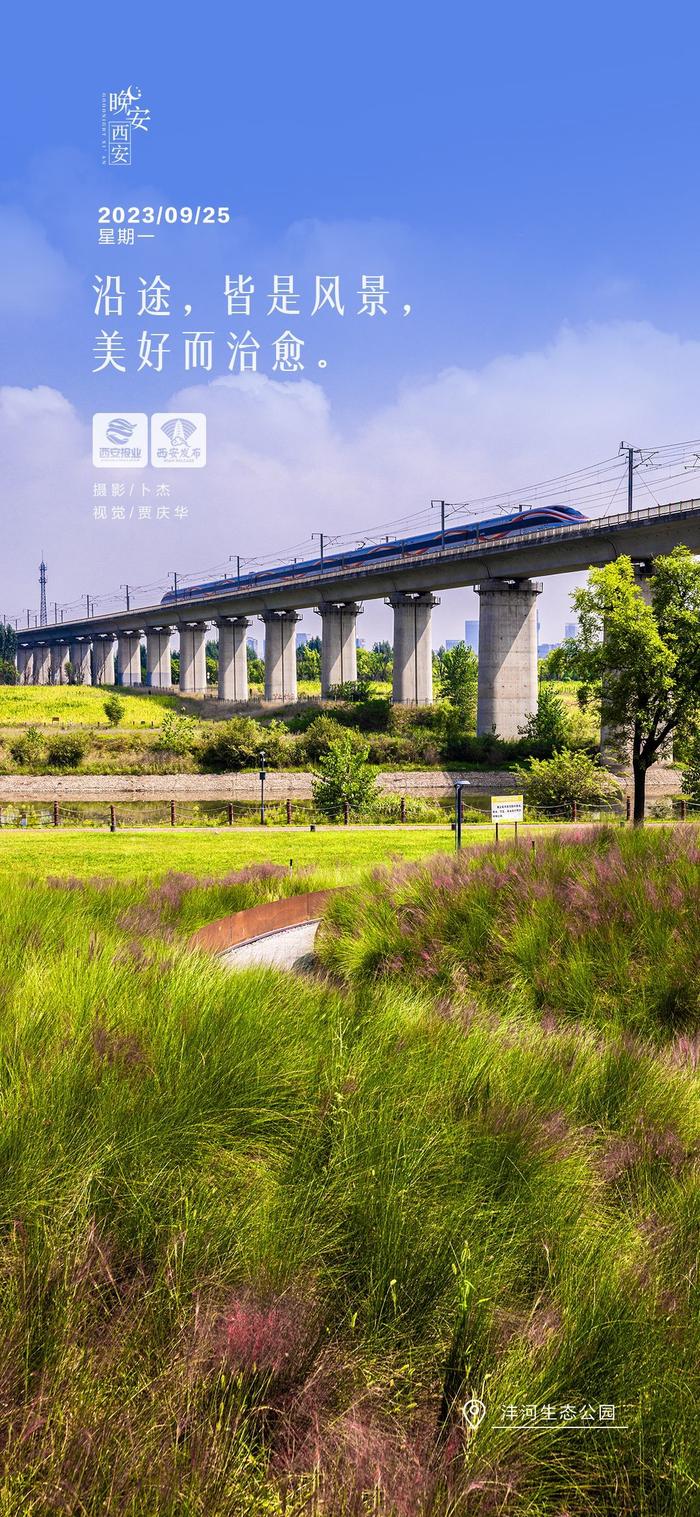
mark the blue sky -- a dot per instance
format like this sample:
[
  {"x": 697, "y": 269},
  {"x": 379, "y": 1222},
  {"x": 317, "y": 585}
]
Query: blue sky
[{"x": 517, "y": 174}]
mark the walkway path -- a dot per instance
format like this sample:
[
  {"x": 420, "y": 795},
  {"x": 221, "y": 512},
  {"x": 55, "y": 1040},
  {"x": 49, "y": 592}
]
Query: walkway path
[{"x": 291, "y": 948}]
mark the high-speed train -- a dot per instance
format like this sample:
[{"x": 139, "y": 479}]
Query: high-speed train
[{"x": 531, "y": 520}]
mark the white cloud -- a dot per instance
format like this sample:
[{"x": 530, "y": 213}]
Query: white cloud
[
  {"x": 34, "y": 277},
  {"x": 282, "y": 466}
]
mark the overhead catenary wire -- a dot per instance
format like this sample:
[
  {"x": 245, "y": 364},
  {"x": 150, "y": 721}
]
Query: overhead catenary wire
[{"x": 593, "y": 487}]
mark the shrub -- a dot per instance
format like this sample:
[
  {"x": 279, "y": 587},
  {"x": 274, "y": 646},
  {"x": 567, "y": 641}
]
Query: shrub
[
  {"x": 565, "y": 778},
  {"x": 178, "y": 734},
  {"x": 28, "y": 750},
  {"x": 237, "y": 744},
  {"x": 548, "y": 724},
  {"x": 385, "y": 749},
  {"x": 404, "y": 720},
  {"x": 114, "y": 709},
  {"x": 66, "y": 751},
  {"x": 319, "y": 736},
  {"x": 344, "y": 778},
  {"x": 351, "y": 690}
]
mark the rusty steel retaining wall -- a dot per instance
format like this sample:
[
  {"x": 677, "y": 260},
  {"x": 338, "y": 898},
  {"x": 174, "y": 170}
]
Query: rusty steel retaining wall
[{"x": 257, "y": 921}]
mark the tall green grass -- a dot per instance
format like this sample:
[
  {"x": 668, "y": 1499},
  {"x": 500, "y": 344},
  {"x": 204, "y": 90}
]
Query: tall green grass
[
  {"x": 598, "y": 925},
  {"x": 261, "y": 1238}
]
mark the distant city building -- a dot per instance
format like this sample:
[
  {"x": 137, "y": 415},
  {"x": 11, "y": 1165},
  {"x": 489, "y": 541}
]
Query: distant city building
[
  {"x": 471, "y": 635},
  {"x": 570, "y": 629},
  {"x": 302, "y": 639},
  {"x": 544, "y": 648},
  {"x": 360, "y": 642},
  {"x": 253, "y": 645}
]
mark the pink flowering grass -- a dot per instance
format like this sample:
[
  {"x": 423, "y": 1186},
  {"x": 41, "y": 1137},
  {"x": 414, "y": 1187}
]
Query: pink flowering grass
[
  {"x": 598, "y": 925},
  {"x": 262, "y": 1239}
]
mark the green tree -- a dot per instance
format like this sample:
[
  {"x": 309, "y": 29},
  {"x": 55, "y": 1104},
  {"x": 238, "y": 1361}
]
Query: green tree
[
  {"x": 548, "y": 724},
  {"x": 344, "y": 778},
  {"x": 641, "y": 660},
  {"x": 366, "y": 665},
  {"x": 382, "y": 661},
  {"x": 308, "y": 662},
  {"x": 457, "y": 674},
  {"x": 114, "y": 709},
  {"x": 557, "y": 664},
  {"x": 256, "y": 668},
  {"x": 565, "y": 778},
  {"x": 211, "y": 654},
  {"x": 8, "y": 672},
  {"x": 8, "y": 645}
]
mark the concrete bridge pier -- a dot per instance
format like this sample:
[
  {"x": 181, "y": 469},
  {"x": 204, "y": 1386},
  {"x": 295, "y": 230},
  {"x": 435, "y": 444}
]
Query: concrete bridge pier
[
  {"x": 338, "y": 643},
  {"x": 193, "y": 659},
  {"x": 25, "y": 664},
  {"x": 59, "y": 659},
  {"x": 507, "y": 691},
  {"x": 413, "y": 647},
  {"x": 129, "y": 658},
  {"x": 79, "y": 650},
  {"x": 280, "y": 655},
  {"x": 233, "y": 658},
  {"x": 103, "y": 660},
  {"x": 41, "y": 669},
  {"x": 158, "y": 666}
]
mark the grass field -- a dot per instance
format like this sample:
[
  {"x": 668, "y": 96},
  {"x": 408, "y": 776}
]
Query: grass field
[
  {"x": 262, "y": 1238},
  {"x": 76, "y": 705},
  {"x": 339, "y": 852},
  {"x": 40, "y": 705}
]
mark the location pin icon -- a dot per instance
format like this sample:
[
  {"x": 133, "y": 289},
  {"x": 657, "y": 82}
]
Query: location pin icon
[{"x": 473, "y": 1413}]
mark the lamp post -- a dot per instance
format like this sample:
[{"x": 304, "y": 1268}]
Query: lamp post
[
  {"x": 262, "y": 788},
  {"x": 460, "y": 785}
]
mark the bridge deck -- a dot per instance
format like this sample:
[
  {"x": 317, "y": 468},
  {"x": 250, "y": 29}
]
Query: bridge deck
[{"x": 556, "y": 550}]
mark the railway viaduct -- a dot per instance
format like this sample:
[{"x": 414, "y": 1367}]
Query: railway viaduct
[{"x": 106, "y": 649}]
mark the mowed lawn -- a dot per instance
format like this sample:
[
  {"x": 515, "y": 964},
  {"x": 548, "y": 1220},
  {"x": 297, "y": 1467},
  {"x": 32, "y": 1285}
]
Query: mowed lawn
[{"x": 337, "y": 852}]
